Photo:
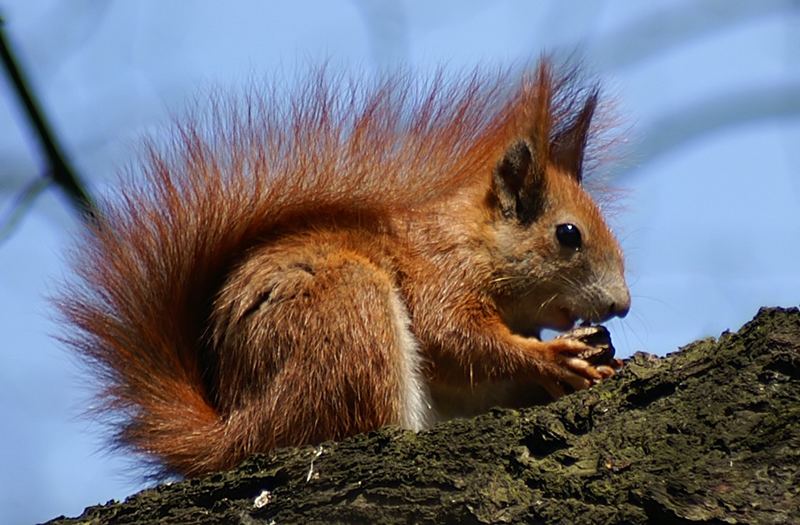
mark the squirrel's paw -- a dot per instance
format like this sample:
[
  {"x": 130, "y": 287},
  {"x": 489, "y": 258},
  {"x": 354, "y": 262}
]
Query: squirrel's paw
[{"x": 569, "y": 368}]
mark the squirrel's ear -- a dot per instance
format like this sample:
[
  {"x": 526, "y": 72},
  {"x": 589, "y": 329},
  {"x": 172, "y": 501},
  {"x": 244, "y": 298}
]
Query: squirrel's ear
[
  {"x": 568, "y": 147},
  {"x": 518, "y": 183}
]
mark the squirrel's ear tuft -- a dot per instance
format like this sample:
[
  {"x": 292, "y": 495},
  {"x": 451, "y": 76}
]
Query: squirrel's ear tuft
[
  {"x": 568, "y": 147},
  {"x": 518, "y": 183}
]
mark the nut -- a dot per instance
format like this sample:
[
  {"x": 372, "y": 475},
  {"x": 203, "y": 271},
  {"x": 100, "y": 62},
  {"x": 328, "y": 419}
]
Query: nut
[{"x": 597, "y": 337}]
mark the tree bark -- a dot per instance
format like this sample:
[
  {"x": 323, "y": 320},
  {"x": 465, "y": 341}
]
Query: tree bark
[{"x": 709, "y": 434}]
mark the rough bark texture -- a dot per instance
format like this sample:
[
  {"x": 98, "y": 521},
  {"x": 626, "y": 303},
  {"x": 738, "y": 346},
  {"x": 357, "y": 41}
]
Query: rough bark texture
[{"x": 709, "y": 434}]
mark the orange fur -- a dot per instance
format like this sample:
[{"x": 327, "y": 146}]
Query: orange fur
[{"x": 301, "y": 270}]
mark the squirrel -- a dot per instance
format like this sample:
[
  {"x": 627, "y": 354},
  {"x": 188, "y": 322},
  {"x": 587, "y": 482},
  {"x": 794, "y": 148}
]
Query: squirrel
[{"x": 288, "y": 272}]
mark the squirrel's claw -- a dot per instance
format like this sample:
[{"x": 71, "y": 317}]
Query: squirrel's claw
[{"x": 575, "y": 371}]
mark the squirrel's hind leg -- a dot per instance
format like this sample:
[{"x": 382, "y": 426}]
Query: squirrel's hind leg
[{"x": 313, "y": 344}]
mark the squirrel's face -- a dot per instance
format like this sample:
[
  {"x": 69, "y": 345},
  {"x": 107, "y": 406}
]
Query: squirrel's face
[{"x": 559, "y": 261}]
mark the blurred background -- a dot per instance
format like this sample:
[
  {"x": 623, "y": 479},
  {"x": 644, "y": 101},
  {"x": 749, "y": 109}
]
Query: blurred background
[{"x": 709, "y": 94}]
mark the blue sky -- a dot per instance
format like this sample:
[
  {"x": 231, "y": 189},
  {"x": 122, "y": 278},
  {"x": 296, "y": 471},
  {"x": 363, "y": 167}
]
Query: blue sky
[{"x": 710, "y": 218}]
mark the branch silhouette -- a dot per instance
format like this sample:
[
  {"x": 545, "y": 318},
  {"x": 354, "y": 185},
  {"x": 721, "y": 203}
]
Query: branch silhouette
[
  {"x": 58, "y": 170},
  {"x": 718, "y": 112}
]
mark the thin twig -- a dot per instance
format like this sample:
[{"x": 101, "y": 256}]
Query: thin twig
[{"x": 59, "y": 170}]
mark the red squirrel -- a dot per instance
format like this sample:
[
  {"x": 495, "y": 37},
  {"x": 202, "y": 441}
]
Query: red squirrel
[{"x": 293, "y": 271}]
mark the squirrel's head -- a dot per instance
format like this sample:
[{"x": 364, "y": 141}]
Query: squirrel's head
[{"x": 559, "y": 261}]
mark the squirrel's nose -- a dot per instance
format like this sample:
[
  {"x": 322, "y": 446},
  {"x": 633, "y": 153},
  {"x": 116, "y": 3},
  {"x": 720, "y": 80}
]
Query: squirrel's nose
[{"x": 621, "y": 305}]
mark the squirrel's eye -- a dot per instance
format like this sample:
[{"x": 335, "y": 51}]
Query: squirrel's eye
[{"x": 569, "y": 236}]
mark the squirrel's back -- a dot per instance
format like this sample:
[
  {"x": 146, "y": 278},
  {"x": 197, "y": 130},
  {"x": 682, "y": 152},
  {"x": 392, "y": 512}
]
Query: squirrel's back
[{"x": 151, "y": 270}]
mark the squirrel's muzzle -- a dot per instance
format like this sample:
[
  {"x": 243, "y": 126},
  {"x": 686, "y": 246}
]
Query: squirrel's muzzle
[{"x": 620, "y": 301}]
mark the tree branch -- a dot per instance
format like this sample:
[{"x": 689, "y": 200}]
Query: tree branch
[
  {"x": 710, "y": 434},
  {"x": 60, "y": 171}
]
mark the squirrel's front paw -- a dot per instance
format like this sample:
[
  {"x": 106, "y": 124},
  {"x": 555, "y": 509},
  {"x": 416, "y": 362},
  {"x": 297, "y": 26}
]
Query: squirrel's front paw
[{"x": 576, "y": 364}]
